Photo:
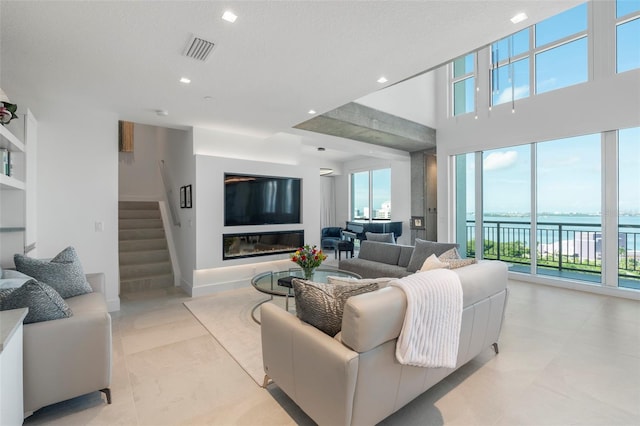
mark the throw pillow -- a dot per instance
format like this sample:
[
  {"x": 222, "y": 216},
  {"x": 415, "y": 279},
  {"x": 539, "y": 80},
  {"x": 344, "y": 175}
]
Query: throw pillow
[
  {"x": 424, "y": 249},
  {"x": 459, "y": 263},
  {"x": 382, "y": 282},
  {"x": 13, "y": 279},
  {"x": 380, "y": 238},
  {"x": 43, "y": 301},
  {"x": 450, "y": 254},
  {"x": 4, "y": 293},
  {"x": 322, "y": 305},
  {"x": 64, "y": 272},
  {"x": 453, "y": 260},
  {"x": 433, "y": 262}
]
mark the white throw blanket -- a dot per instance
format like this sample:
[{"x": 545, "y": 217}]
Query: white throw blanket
[{"x": 431, "y": 331}]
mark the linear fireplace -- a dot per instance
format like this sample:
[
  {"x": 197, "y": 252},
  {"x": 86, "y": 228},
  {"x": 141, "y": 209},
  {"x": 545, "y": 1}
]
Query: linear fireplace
[{"x": 236, "y": 246}]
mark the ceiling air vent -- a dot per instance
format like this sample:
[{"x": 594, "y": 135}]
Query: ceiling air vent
[{"x": 198, "y": 48}]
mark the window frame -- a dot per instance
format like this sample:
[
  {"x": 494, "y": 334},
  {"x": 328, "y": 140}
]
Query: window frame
[
  {"x": 623, "y": 20},
  {"x": 532, "y": 54},
  {"x": 370, "y": 216},
  {"x": 454, "y": 80}
]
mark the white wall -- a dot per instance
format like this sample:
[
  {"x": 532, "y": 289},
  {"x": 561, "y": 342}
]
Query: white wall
[
  {"x": 139, "y": 174},
  {"x": 180, "y": 168},
  {"x": 413, "y": 99},
  {"x": 217, "y": 153},
  {"x": 400, "y": 191},
  {"x": 78, "y": 186}
]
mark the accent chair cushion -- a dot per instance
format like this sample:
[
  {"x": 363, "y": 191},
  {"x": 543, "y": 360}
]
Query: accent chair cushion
[
  {"x": 380, "y": 238},
  {"x": 43, "y": 301},
  {"x": 64, "y": 272},
  {"x": 322, "y": 305},
  {"x": 423, "y": 249}
]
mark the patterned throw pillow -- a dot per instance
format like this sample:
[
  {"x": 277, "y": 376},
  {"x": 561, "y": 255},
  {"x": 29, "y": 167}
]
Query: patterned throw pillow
[
  {"x": 382, "y": 282},
  {"x": 453, "y": 259},
  {"x": 44, "y": 302},
  {"x": 64, "y": 272},
  {"x": 322, "y": 305}
]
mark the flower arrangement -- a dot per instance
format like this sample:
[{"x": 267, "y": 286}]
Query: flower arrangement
[{"x": 309, "y": 258}]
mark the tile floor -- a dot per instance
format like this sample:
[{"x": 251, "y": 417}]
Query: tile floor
[{"x": 567, "y": 358}]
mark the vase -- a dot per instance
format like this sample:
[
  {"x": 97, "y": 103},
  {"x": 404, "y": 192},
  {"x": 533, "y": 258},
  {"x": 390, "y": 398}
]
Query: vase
[{"x": 308, "y": 273}]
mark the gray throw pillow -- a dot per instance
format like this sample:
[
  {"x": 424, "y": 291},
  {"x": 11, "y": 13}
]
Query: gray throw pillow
[
  {"x": 13, "y": 279},
  {"x": 322, "y": 305},
  {"x": 380, "y": 238},
  {"x": 423, "y": 249},
  {"x": 44, "y": 302},
  {"x": 64, "y": 272}
]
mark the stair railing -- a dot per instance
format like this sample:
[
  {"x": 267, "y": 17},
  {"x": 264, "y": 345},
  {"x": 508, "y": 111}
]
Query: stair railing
[{"x": 172, "y": 199}]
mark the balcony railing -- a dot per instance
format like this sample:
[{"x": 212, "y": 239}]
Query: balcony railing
[{"x": 560, "y": 246}]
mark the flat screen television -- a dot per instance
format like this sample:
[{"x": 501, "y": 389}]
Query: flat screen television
[{"x": 261, "y": 200}]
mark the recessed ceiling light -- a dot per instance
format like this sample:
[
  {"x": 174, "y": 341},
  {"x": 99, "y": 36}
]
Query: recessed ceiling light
[
  {"x": 229, "y": 16},
  {"x": 321, "y": 148},
  {"x": 185, "y": 80},
  {"x": 208, "y": 98},
  {"x": 382, "y": 80},
  {"x": 162, "y": 112},
  {"x": 519, "y": 17},
  {"x": 312, "y": 111}
]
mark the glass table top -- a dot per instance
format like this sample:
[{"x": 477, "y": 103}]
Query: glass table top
[{"x": 267, "y": 282}]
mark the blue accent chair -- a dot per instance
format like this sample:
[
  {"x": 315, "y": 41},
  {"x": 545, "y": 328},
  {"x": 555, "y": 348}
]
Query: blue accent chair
[{"x": 330, "y": 236}]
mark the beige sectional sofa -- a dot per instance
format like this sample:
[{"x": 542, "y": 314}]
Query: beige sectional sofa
[
  {"x": 354, "y": 377},
  {"x": 69, "y": 357}
]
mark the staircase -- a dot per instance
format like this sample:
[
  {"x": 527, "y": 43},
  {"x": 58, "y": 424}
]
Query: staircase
[{"x": 144, "y": 256}]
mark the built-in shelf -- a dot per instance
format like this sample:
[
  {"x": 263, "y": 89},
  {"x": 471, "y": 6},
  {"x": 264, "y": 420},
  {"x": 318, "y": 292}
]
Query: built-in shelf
[
  {"x": 8, "y": 182},
  {"x": 9, "y": 141}
]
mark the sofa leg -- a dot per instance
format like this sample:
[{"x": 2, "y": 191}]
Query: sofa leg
[
  {"x": 266, "y": 381},
  {"x": 107, "y": 393},
  {"x": 495, "y": 348}
]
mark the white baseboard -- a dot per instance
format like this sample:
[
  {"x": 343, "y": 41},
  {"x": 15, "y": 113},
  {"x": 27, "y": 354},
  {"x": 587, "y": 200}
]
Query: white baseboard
[
  {"x": 113, "y": 305},
  {"x": 206, "y": 290},
  {"x": 577, "y": 285}
]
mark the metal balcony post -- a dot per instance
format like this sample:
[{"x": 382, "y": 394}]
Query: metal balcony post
[{"x": 560, "y": 247}]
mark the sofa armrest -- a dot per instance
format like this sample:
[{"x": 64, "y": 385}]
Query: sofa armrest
[
  {"x": 318, "y": 372},
  {"x": 97, "y": 282},
  {"x": 65, "y": 358}
]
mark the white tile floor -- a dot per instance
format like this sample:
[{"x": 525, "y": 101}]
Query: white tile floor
[{"x": 566, "y": 358}]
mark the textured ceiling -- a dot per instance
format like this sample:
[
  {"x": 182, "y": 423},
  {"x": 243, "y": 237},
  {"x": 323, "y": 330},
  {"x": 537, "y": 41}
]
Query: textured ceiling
[{"x": 277, "y": 61}]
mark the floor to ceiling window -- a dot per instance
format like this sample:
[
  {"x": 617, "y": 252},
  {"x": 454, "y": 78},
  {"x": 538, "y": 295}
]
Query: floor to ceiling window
[
  {"x": 465, "y": 204},
  {"x": 569, "y": 206},
  {"x": 506, "y": 201},
  {"x": 548, "y": 207},
  {"x": 629, "y": 207}
]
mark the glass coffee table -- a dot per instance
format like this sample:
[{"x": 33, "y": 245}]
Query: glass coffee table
[{"x": 279, "y": 283}]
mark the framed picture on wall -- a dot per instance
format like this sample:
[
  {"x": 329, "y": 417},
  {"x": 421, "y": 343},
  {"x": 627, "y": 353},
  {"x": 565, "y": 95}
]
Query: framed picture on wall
[
  {"x": 187, "y": 196},
  {"x": 183, "y": 197},
  {"x": 417, "y": 222}
]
